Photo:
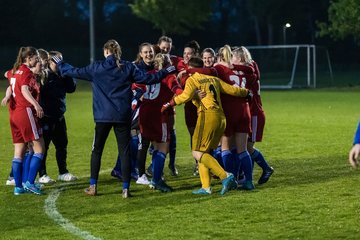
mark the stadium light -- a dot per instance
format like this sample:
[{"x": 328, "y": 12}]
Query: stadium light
[{"x": 286, "y": 26}]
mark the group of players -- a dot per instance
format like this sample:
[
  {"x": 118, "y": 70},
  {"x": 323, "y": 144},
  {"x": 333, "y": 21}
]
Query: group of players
[{"x": 223, "y": 114}]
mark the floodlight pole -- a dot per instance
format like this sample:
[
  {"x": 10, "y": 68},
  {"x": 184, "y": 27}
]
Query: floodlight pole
[
  {"x": 92, "y": 31},
  {"x": 285, "y": 26}
]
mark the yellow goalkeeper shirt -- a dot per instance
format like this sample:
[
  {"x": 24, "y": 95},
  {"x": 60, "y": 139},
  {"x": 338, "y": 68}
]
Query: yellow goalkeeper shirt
[{"x": 212, "y": 86}]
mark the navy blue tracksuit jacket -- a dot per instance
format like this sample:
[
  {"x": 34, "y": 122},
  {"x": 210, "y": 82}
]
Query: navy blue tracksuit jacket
[{"x": 112, "y": 94}]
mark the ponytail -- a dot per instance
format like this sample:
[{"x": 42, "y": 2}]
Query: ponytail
[
  {"x": 23, "y": 53},
  {"x": 225, "y": 54},
  {"x": 115, "y": 49}
]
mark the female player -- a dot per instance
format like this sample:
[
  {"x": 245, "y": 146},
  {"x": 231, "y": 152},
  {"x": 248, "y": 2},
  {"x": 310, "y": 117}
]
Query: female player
[
  {"x": 237, "y": 114},
  {"x": 244, "y": 63},
  {"x": 111, "y": 82},
  {"x": 210, "y": 124},
  {"x": 24, "y": 113},
  {"x": 156, "y": 126}
]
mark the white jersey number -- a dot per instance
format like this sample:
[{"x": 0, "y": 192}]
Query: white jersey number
[
  {"x": 152, "y": 91},
  {"x": 12, "y": 83}
]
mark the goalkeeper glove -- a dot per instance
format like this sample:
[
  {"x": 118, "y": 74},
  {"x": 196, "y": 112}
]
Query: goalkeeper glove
[{"x": 167, "y": 105}]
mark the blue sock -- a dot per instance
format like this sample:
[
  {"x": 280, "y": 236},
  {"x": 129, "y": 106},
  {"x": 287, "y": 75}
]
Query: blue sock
[
  {"x": 17, "y": 171},
  {"x": 246, "y": 164},
  {"x": 227, "y": 160},
  {"x": 260, "y": 160},
  {"x": 134, "y": 144},
  {"x": 26, "y": 166},
  {"x": 118, "y": 164},
  {"x": 34, "y": 166},
  {"x": 158, "y": 161},
  {"x": 126, "y": 185},
  {"x": 172, "y": 147},
  {"x": 93, "y": 181}
]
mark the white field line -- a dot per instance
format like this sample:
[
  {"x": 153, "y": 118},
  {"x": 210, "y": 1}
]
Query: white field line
[{"x": 53, "y": 213}]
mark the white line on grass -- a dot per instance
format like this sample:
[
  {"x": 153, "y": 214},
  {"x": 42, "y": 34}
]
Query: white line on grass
[{"x": 53, "y": 213}]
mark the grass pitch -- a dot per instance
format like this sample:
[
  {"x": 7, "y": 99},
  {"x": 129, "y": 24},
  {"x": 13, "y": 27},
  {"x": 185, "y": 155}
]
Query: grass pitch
[{"x": 313, "y": 193}]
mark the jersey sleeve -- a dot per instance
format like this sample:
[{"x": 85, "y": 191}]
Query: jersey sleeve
[
  {"x": 174, "y": 85},
  {"x": 188, "y": 93}
]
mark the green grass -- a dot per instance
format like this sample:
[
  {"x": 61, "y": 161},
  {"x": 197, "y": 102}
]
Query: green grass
[{"x": 313, "y": 193}]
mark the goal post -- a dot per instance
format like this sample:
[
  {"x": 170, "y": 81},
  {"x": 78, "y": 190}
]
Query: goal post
[{"x": 288, "y": 66}]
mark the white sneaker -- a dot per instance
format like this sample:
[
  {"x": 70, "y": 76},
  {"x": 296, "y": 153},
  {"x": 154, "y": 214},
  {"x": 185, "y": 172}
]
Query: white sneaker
[
  {"x": 143, "y": 180},
  {"x": 67, "y": 177},
  {"x": 10, "y": 181},
  {"x": 45, "y": 179}
]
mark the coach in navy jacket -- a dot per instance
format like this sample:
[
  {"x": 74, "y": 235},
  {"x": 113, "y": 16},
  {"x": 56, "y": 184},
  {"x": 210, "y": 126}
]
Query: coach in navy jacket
[{"x": 111, "y": 81}]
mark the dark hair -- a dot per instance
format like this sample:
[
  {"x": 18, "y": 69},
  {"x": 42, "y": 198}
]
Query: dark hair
[
  {"x": 193, "y": 45},
  {"x": 114, "y": 48},
  {"x": 164, "y": 39},
  {"x": 23, "y": 53},
  {"x": 156, "y": 49},
  {"x": 196, "y": 62}
]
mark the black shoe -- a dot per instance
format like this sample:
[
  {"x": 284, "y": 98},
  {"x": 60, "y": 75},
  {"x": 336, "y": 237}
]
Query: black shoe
[
  {"x": 265, "y": 176},
  {"x": 173, "y": 171},
  {"x": 161, "y": 185},
  {"x": 148, "y": 171}
]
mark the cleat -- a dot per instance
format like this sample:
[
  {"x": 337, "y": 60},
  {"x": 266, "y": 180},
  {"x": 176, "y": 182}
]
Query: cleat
[
  {"x": 10, "y": 181},
  {"x": 247, "y": 185},
  {"x": 91, "y": 190},
  {"x": 67, "y": 177},
  {"x": 196, "y": 170},
  {"x": 126, "y": 193},
  {"x": 202, "y": 191},
  {"x": 265, "y": 176},
  {"x": 149, "y": 171},
  {"x": 173, "y": 170},
  {"x": 143, "y": 180},
  {"x": 19, "y": 191},
  {"x": 161, "y": 185},
  {"x": 116, "y": 174},
  {"x": 228, "y": 184},
  {"x": 45, "y": 179},
  {"x": 32, "y": 188}
]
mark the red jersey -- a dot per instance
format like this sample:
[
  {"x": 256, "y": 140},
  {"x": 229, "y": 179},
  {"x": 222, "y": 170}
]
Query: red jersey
[
  {"x": 236, "y": 109},
  {"x": 253, "y": 84},
  {"x": 154, "y": 125},
  {"x": 23, "y": 77}
]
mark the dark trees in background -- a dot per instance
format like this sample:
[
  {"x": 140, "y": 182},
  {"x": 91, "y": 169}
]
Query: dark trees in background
[{"x": 64, "y": 25}]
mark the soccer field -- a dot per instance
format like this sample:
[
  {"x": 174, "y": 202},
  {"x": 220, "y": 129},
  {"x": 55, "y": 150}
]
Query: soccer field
[{"x": 313, "y": 193}]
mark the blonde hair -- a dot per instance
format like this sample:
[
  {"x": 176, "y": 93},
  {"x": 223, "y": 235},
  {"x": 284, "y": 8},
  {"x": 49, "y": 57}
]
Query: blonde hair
[
  {"x": 225, "y": 54},
  {"x": 114, "y": 48},
  {"x": 243, "y": 54},
  {"x": 161, "y": 60},
  {"x": 23, "y": 53}
]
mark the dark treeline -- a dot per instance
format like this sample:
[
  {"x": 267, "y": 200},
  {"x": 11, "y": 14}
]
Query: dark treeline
[{"x": 64, "y": 25}]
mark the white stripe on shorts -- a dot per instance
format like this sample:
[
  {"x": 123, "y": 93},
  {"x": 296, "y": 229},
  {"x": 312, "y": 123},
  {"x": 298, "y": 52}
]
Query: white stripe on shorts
[
  {"x": 254, "y": 124},
  {"x": 32, "y": 122},
  {"x": 164, "y": 132}
]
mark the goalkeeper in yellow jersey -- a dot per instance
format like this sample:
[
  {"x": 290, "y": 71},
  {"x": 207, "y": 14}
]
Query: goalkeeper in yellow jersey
[{"x": 210, "y": 124}]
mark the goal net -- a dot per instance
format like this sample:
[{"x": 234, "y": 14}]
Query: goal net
[{"x": 291, "y": 66}]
